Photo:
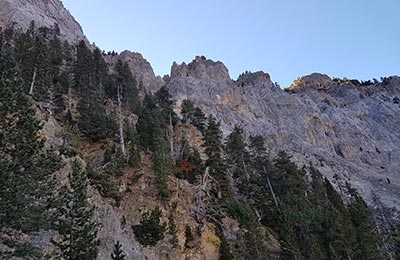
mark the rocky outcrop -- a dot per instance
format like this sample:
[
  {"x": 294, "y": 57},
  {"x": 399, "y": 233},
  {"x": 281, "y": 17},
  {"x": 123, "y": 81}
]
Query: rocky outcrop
[
  {"x": 253, "y": 79},
  {"x": 317, "y": 80},
  {"x": 350, "y": 133},
  {"x": 140, "y": 68},
  {"x": 44, "y": 13},
  {"x": 202, "y": 69}
]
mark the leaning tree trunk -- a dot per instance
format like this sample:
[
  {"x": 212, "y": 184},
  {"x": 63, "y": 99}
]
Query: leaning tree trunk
[
  {"x": 33, "y": 82},
  {"x": 69, "y": 97},
  {"x": 271, "y": 189}
]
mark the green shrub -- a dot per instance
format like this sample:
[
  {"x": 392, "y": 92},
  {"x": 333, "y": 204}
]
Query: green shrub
[
  {"x": 107, "y": 155},
  {"x": 172, "y": 231},
  {"x": 93, "y": 120},
  {"x": 23, "y": 250},
  {"x": 150, "y": 230},
  {"x": 134, "y": 157},
  {"x": 188, "y": 236},
  {"x": 224, "y": 249},
  {"x": 104, "y": 184},
  {"x": 239, "y": 211}
]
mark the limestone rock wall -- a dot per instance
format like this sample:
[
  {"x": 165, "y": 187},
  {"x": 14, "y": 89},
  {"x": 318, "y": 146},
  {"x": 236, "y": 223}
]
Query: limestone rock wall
[
  {"x": 342, "y": 129},
  {"x": 44, "y": 13}
]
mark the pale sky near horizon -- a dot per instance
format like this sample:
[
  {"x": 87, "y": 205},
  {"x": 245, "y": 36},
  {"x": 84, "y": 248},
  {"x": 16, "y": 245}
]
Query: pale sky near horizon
[{"x": 286, "y": 38}]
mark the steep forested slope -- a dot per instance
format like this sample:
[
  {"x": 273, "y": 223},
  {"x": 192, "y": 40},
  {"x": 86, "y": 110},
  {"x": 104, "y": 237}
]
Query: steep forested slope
[{"x": 89, "y": 159}]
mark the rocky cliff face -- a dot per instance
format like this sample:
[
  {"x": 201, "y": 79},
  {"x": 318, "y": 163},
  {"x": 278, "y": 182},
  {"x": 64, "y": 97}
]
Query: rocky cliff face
[
  {"x": 350, "y": 133},
  {"x": 44, "y": 13},
  {"x": 140, "y": 68}
]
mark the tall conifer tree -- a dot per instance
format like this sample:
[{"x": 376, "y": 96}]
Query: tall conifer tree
[
  {"x": 215, "y": 162},
  {"x": 76, "y": 226},
  {"x": 26, "y": 170},
  {"x": 118, "y": 253}
]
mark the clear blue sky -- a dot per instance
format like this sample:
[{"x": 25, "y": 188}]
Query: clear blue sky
[{"x": 286, "y": 38}]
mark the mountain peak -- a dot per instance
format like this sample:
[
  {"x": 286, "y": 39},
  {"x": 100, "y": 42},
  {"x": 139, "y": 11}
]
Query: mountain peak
[{"x": 201, "y": 68}]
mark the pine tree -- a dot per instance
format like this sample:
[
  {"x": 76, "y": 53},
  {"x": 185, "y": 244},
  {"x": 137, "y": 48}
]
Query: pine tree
[
  {"x": 172, "y": 231},
  {"x": 340, "y": 231},
  {"x": 238, "y": 157},
  {"x": 256, "y": 244},
  {"x": 187, "y": 109},
  {"x": 93, "y": 120},
  {"x": 163, "y": 164},
  {"x": 34, "y": 62},
  {"x": 249, "y": 186},
  {"x": 118, "y": 253},
  {"x": 107, "y": 157},
  {"x": 67, "y": 54},
  {"x": 76, "y": 226},
  {"x": 288, "y": 178},
  {"x": 150, "y": 230},
  {"x": 60, "y": 77},
  {"x": 260, "y": 187},
  {"x": 149, "y": 101},
  {"x": 212, "y": 139},
  {"x": 368, "y": 238},
  {"x": 164, "y": 102},
  {"x": 188, "y": 236},
  {"x": 132, "y": 141},
  {"x": 259, "y": 158},
  {"x": 42, "y": 64},
  {"x": 293, "y": 214},
  {"x": 236, "y": 146},
  {"x": 84, "y": 69},
  {"x": 110, "y": 87},
  {"x": 129, "y": 85},
  {"x": 199, "y": 119},
  {"x": 56, "y": 55},
  {"x": 134, "y": 157},
  {"x": 148, "y": 121},
  {"x": 26, "y": 170},
  {"x": 24, "y": 54},
  {"x": 215, "y": 161},
  {"x": 318, "y": 189},
  {"x": 100, "y": 71},
  {"x": 193, "y": 115}
]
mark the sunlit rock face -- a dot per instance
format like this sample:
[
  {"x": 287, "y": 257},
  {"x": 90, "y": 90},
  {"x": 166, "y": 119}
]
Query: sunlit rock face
[
  {"x": 202, "y": 69},
  {"x": 43, "y": 13},
  {"x": 342, "y": 129}
]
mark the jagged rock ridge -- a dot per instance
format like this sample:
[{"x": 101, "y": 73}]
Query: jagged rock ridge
[
  {"x": 343, "y": 129},
  {"x": 347, "y": 131}
]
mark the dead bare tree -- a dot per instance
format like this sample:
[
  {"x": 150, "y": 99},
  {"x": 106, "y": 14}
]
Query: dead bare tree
[
  {"x": 170, "y": 136},
  {"x": 270, "y": 188},
  {"x": 69, "y": 97},
  {"x": 203, "y": 186},
  {"x": 33, "y": 82},
  {"x": 120, "y": 120},
  {"x": 245, "y": 169}
]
